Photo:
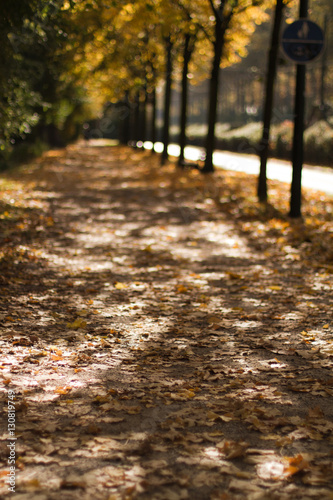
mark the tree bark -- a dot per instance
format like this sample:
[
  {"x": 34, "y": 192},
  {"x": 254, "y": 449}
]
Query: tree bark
[
  {"x": 143, "y": 113},
  {"x": 187, "y": 54},
  {"x": 299, "y": 113},
  {"x": 136, "y": 119},
  {"x": 153, "y": 119},
  {"x": 124, "y": 119},
  {"x": 167, "y": 100},
  {"x": 213, "y": 96},
  {"x": 269, "y": 98},
  {"x": 297, "y": 153}
]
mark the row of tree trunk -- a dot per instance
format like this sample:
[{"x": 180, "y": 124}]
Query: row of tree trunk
[{"x": 139, "y": 125}]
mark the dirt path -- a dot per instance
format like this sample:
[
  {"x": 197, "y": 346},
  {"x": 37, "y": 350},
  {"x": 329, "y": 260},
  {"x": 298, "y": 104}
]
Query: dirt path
[{"x": 161, "y": 336}]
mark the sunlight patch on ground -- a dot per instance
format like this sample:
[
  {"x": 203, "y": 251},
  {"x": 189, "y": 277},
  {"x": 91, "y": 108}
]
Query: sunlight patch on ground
[{"x": 247, "y": 324}]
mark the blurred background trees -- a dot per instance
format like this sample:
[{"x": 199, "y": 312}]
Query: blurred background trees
[{"x": 138, "y": 71}]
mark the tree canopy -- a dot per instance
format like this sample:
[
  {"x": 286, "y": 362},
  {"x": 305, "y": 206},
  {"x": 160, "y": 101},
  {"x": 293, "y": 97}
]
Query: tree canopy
[{"x": 62, "y": 60}]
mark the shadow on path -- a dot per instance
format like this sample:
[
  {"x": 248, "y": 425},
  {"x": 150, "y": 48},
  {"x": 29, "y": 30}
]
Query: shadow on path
[{"x": 154, "y": 345}]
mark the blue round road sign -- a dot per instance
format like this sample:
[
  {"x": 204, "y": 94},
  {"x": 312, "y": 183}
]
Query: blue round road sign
[{"x": 302, "y": 41}]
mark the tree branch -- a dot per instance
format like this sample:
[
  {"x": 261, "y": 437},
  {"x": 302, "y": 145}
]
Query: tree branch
[
  {"x": 213, "y": 8},
  {"x": 218, "y": 12},
  {"x": 189, "y": 18}
]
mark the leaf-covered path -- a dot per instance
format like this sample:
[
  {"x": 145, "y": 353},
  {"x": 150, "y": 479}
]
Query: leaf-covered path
[{"x": 162, "y": 336}]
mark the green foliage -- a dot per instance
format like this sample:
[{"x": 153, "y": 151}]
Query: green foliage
[
  {"x": 319, "y": 143},
  {"x": 243, "y": 139},
  {"x": 36, "y": 82},
  {"x": 281, "y": 139}
]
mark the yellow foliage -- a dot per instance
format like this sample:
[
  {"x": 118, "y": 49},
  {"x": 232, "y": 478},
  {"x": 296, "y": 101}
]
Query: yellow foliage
[{"x": 124, "y": 47}]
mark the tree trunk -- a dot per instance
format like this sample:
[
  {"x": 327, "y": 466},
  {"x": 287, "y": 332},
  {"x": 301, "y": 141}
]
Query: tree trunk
[
  {"x": 136, "y": 119},
  {"x": 167, "y": 100},
  {"x": 299, "y": 113},
  {"x": 143, "y": 117},
  {"x": 269, "y": 98},
  {"x": 188, "y": 50},
  {"x": 153, "y": 119},
  {"x": 213, "y": 96},
  {"x": 297, "y": 153},
  {"x": 124, "y": 120}
]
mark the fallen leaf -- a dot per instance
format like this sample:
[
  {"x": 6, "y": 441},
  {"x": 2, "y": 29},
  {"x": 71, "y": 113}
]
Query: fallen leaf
[
  {"x": 63, "y": 390},
  {"x": 120, "y": 286},
  {"x": 78, "y": 323}
]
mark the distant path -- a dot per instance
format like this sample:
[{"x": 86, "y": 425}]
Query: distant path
[{"x": 314, "y": 177}]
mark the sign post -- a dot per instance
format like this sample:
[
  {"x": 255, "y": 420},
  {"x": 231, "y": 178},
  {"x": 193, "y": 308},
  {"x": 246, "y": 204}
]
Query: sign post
[{"x": 302, "y": 42}]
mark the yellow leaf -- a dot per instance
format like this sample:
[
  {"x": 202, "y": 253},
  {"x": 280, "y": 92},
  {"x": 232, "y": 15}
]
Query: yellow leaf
[
  {"x": 275, "y": 287},
  {"x": 120, "y": 286},
  {"x": 101, "y": 399},
  {"x": 84, "y": 312},
  {"x": 32, "y": 483},
  {"x": 212, "y": 415},
  {"x": 189, "y": 394},
  {"x": 56, "y": 358},
  {"x": 296, "y": 464},
  {"x": 63, "y": 390},
  {"x": 78, "y": 323}
]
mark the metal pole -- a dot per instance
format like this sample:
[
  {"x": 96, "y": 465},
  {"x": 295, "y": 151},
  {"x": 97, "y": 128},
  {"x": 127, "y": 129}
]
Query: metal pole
[{"x": 297, "y": 153}]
